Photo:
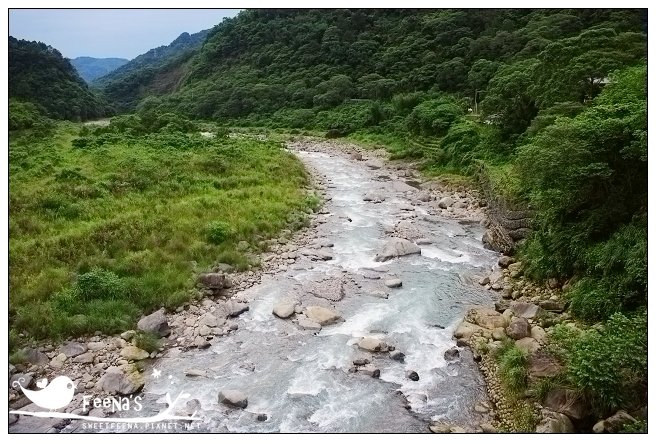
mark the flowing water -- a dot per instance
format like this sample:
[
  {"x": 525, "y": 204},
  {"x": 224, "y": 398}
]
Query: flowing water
[{"x": 300, "y": 378}]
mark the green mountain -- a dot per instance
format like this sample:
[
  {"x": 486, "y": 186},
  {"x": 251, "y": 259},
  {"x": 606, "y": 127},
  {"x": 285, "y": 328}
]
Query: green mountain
[
  {"x": 91, "y": 68},
  {"x": 39, "y": 74},
  {"x": 156, "y": 72}
]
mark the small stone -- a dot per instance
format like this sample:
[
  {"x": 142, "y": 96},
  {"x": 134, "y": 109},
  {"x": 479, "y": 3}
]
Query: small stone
[
  {"x": 132, "y": 353},
  {"x": 451, "y": 354},
  {"x": 370, "y": 371},
  {"x": 85, "y": 358},
  {"x": 73, "y": 349},
  {"x": 505, "y": 261},
  {"x": 393, "y": 283},
  {"x": 488, "y": 428},
  {"x": 261, "y": 417},
  {"x": 58, "y": 361},
  {"x": 599, "y": 427},
  {"x": 234, "y": 398},
  {"x": 397, "y": 355},
  {"x": 440, "y": 429},
  {"x": 201, "y": 342},
  {"x": 412, "y": 375},
  {"x": 361, "y": 361}
]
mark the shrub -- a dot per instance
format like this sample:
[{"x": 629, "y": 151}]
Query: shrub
[
  {"x": 512, "y": 367},
  {"x": 218, "y": 232},
  {"x": 460, "y": 142},
  {"x": 100, "y": 284},
  {"x": 147, "y": 341},
  {"x": 433, "y": 117},
  {"x": 607, "y": 363}
]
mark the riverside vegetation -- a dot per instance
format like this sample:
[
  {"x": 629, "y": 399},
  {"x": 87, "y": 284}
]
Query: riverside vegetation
[{"x": 549, "y": 105}]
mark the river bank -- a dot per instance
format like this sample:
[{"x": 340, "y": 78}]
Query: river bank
[{"x": 218, "y": 318}]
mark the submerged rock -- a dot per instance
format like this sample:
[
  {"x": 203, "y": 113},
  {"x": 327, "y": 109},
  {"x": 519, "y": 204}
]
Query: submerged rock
[
  {"x": 234, "y": 398},
  {"x": 284, "y": 309},
  {"x": 396, "y": 247},
  {"x": 393, "y": 283},
  {"x": 322, "y": 315},
  {"x": 372, "y": 344},
  {"x": 412, "y": 375}
]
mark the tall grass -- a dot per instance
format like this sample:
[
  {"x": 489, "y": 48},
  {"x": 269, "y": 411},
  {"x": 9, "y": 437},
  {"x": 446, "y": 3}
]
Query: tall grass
[{"x": 134, "y": 218}]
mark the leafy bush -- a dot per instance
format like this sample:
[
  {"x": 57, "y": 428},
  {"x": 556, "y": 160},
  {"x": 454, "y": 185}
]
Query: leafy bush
[
  {"x": 512, "y": 367},
  {"x": 25, "y": 115},
  {"x": 433, "y": 117},
  {"x": 607, "y": 363},
  {"x": 100, "y": 284},
  {"x": 460, "y": 143},
  {"x": 147, "y": 341},
  {"x": 218, "y": 232}
]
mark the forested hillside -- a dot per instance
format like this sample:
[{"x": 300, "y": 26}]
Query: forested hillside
[
  {"x": 156, "y": 72},
  {"x": 549, "y": 104},
  {"x": 39, "y": 75},
  {"x": 91, "y": 68}
]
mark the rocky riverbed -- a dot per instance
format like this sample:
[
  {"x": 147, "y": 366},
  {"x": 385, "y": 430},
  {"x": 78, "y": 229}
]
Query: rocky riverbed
[{"x": 346, "y": 326}]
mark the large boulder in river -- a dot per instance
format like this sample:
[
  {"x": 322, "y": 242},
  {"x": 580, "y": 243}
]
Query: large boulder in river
[
  {"x": 372, "y": 344},
  {"x": 322, "y": 315},
  {"x": 234, "y": 398},
  {"x": 396, "y": 247},
  {"x": 115, "y": 380},
  {"x": 155, "y": 323},
  {"x": 284, "y": 309}
]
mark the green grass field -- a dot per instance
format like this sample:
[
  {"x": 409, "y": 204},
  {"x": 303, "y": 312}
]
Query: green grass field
[{"x": 105, "y": 228}]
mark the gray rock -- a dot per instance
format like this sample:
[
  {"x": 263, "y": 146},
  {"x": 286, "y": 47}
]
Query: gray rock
[
  {"x": 34, "y": 356},
  {"x": 567, "y": 402},
  {"x": 321, "y": 315},
  {"x": 192, "y": 406},
  {"x": 505, "y": 261},
  {"x": 374, "y": 196},
  {"x": 236, "y": 308},
  {"x": 234, "y": 398},
  {"x": 58, "y": 361},
  {"x": 617, "y": 421},
  {"x": 96, "y": 346},
  {"x": 451, "y": 354},
  {"x": 307, "y": 324},
  {"x": 209, "y": 320},
  {"x": 24, "y": 379},
  {"x": 115, "y": 380},
  {"x": 212, "y": 281},
  {"x": 396, "y": 247},
  {"x": 488, "y": 428},
  {"x": 599, "y": 427},
  {"x": 284, "y": 309},
  {"x": 553, "y": 306},
  {"x": 361, "y": 361},
  {"x": 262, "y": 417},
  {"x": 372, "y": 344},
  {"x": 84, "y": 358},
  {"x": 524, "y": 309},
  {"x": 518, "y": 328},
  {"x": 201, "y": 342},
  {"x": 465, "y": 330},
  {"x": 445, "y": 202},
  {"x": 155, "y": 323},
  {"x": 393, "y": 283},
  {"x": 412, "y": 375},
  {"x": 541, "y": 365},
  {"x": 132, "y": 353},
  {"x": 13, "y": 418},
  {"x": 73, "y": 349},
  {"x": 192, "y": 372},
  {"x": 528, "y": 345},
  {"x": 553, "y": 422},
  {"x": 440, "y": 429},
  {"x": 370, "y": 370},
  {"x": 397, "y": 355},
  {"x": 374, "y": 164},
  {"x": 127, "y": 335}
]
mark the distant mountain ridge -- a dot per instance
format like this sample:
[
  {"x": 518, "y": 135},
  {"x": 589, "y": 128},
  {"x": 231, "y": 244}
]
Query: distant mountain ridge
[
  {"x": 153, "y": 73},
  {"x": 91, "y": 68}
]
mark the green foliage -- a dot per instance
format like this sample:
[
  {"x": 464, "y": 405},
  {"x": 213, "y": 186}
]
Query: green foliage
[
  {"x": 608, "y": 363},
  {"x": 639, "y": 426},
  {"x": 39, "y": 74},
  {"x": 26, "y": 115},
  {"x": 433, "y": 117},
  {"x": 99, "y": 284},
  {"x": 512, "y": 367},
  {"x": 218, "y": 232},
  {"x": 587, "y": 178},
  {"x": 147, "y": 341},
  {"x": 102, "y": 233}
]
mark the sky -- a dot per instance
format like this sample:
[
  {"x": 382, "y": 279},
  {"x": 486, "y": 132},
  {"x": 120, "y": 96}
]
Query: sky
[{"x": 102, "y": 33}]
